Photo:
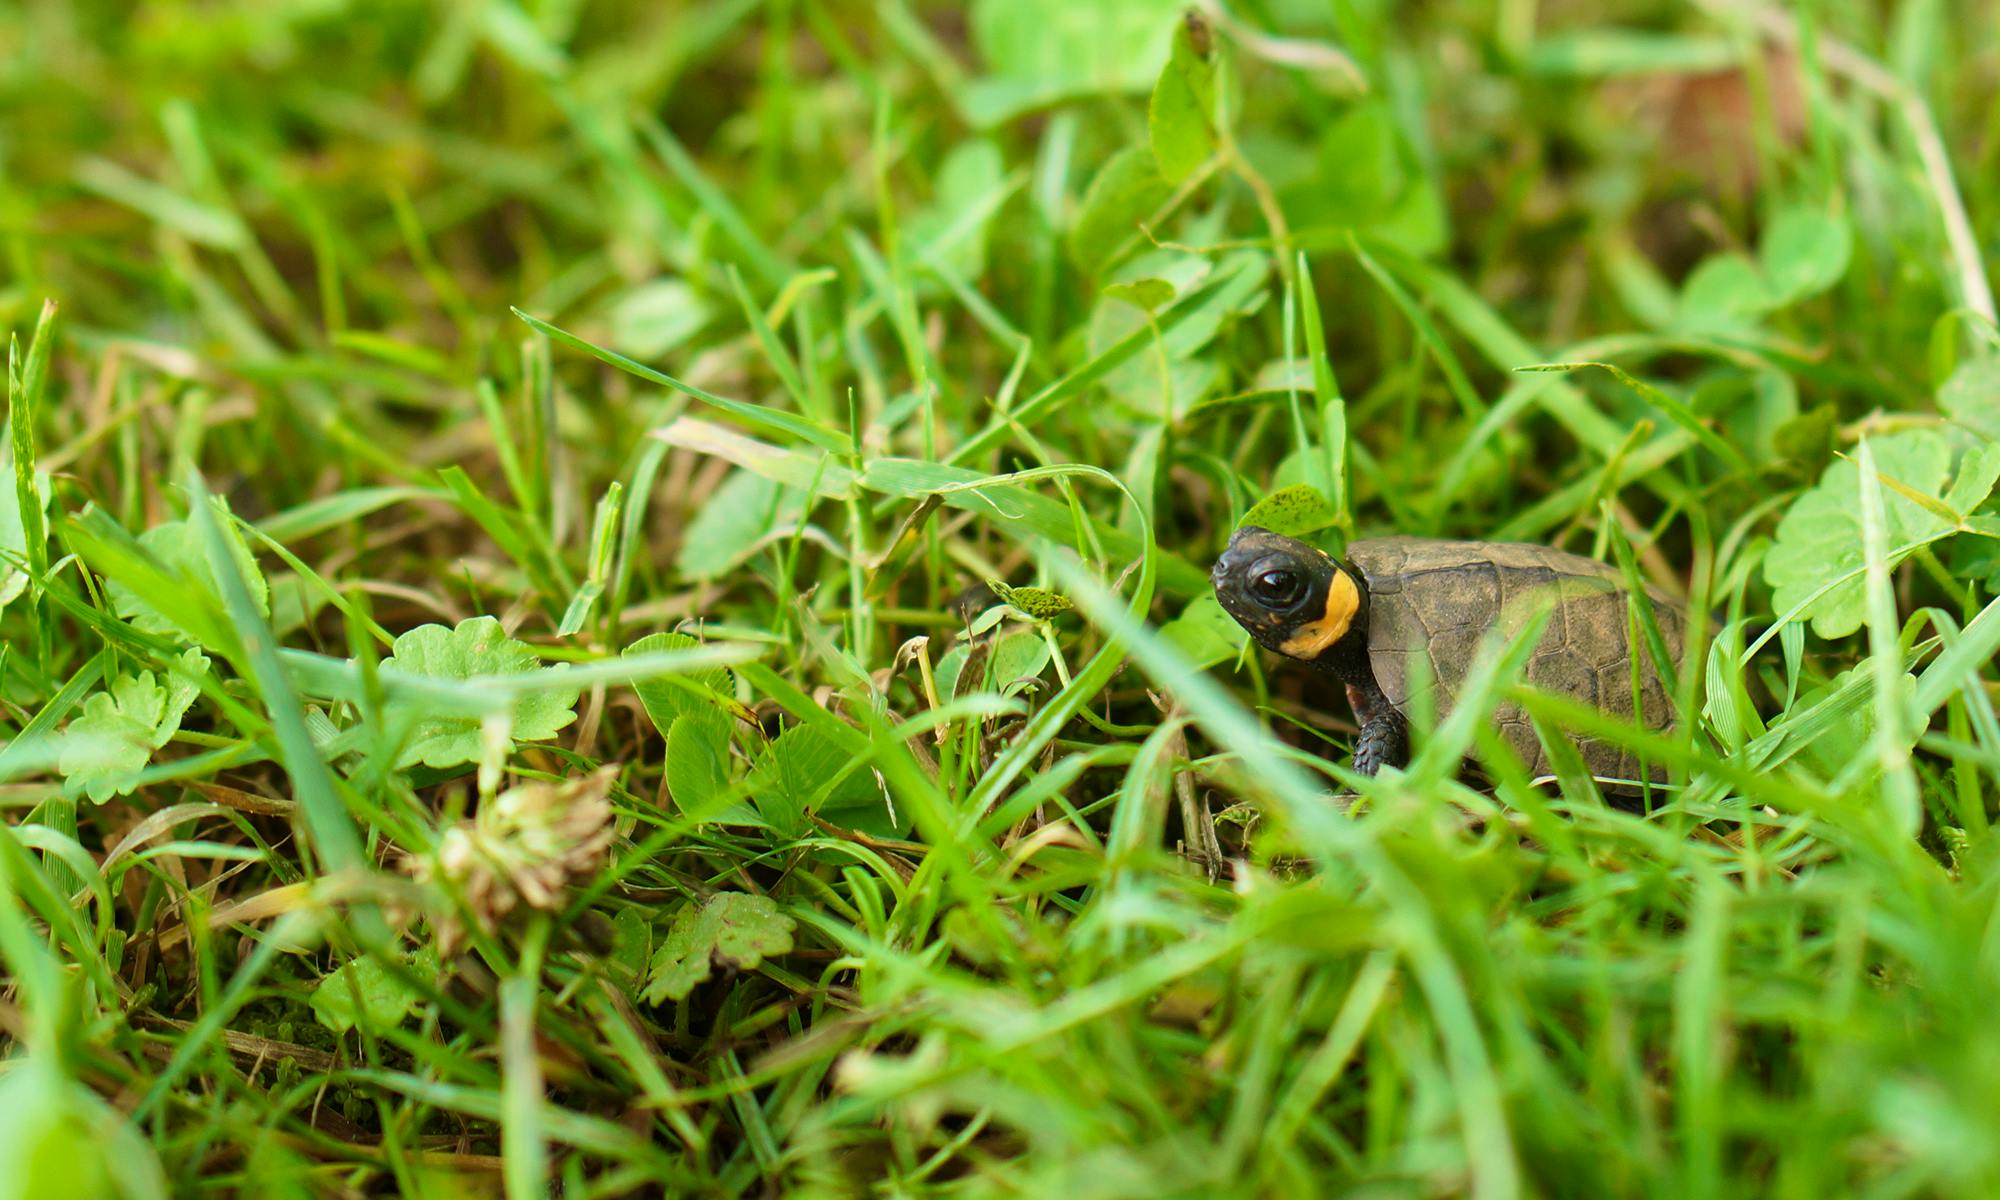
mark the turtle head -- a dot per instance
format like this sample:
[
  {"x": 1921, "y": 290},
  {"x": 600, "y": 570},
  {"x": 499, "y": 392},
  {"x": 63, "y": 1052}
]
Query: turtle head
[{"x": 1295, "y": 599}]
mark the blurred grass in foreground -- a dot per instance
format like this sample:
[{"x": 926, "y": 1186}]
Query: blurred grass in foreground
[{"x": 451, "y": 751}]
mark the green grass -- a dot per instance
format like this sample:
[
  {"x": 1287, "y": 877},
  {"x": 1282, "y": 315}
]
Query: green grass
[{"x": 444, "y": 402}]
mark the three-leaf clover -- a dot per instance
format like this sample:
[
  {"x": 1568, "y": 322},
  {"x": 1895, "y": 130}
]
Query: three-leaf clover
[{"x": 476, "y": 649}]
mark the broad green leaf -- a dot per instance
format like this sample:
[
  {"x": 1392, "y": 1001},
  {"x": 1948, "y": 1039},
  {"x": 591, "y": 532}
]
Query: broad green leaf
[
  {"x": 635, "y": 941},
  {"x": 1805, "y": 252},
  {"x": 949, "y": 668},
  {"x": 697, "y": 763},
  {"x": 177, "y": 546},
  {"x": 795, "y": 779},
  {"x": 735, "y": 930},
  {"x": 1240, "y": 290},
  {"x": 952, "y": 230},
  {"x": 476, "y": 648},
  {"x": 1725, "y": 293},
  {"x": 1852, "y": 731},
  {"x": 1205, "y": 633},
  {"x": 362, "y": 993},
  {"x": 113, "y": 738},
  {"x": 1039, "y": 52},
  {"x": 1363, "y": 166},
  {"x": 667, "y": 701},
  {"x": 1125, "y": 192},
  {"x": 654, "y": 318},
  {"x": 1018, "y": 658},
  {"x": 733, "y": 522},
  {"x": 1978, "y": 471},
  {"x": 1181, "y": 118},
  {"x": 1819, "y": 539},
  {"x": 1293, "y": 511},
  {"x": 1972, "y": 396},
  {"x": 1361, "y": 176}
]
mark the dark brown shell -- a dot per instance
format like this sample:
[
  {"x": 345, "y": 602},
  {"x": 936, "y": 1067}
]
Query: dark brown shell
[{"x": 1438, "y": 598}]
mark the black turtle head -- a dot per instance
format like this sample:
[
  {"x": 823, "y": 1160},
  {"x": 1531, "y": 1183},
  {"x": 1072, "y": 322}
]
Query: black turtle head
[{"x": 1296, "y": 600}]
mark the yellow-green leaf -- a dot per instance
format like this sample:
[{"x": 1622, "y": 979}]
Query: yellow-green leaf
[{"x": 1293, "y": 511}]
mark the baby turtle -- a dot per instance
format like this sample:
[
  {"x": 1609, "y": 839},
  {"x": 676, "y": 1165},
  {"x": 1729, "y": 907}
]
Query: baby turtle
[{"x": 1359, "y": 620}]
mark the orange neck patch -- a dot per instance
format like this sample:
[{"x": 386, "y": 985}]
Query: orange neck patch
[{"x": 1343, "y": 600}]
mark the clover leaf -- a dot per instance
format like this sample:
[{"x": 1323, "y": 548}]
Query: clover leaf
[
  {"x": 1181, "y": 120},
  {"x": 1972, "y": 396},
  {"x": 1819, "y": 539},
  {"x": 179, "y": 548},
  {"x": 799, "y": 776},
  {"x": 112, "y": 740},
  {"x": 362, "y": 992},
  {"x": 476, "y": 649},
  {"x": 736, "y": 929},
  {"x": 666, "y": 701}
]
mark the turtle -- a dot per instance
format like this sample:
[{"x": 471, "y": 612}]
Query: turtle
[{"x": 1359, "y": 620}]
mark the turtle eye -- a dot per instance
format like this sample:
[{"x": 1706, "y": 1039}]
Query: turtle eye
[{"x": 1278, "y": 588}]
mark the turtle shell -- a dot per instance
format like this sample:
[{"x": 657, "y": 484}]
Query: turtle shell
[{"x": 1439, "y": 598}]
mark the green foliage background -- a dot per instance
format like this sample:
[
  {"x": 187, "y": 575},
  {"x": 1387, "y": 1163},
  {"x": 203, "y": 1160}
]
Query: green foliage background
[{"x": 444, "y": 401}]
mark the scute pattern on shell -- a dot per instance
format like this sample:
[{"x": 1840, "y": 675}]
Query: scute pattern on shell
[{"x": 1438, "y": 599}]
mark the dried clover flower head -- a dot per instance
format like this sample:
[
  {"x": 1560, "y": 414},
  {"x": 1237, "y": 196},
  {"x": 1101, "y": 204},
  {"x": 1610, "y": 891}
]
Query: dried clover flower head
[{"x": 524, "y": 846}]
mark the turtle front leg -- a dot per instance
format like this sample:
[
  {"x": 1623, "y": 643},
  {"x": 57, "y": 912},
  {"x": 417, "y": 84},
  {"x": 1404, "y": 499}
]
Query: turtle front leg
[{"x": 1385, "y": 736}]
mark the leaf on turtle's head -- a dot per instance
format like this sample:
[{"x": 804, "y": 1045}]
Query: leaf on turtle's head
[{"x": 1293, "y": 511}]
